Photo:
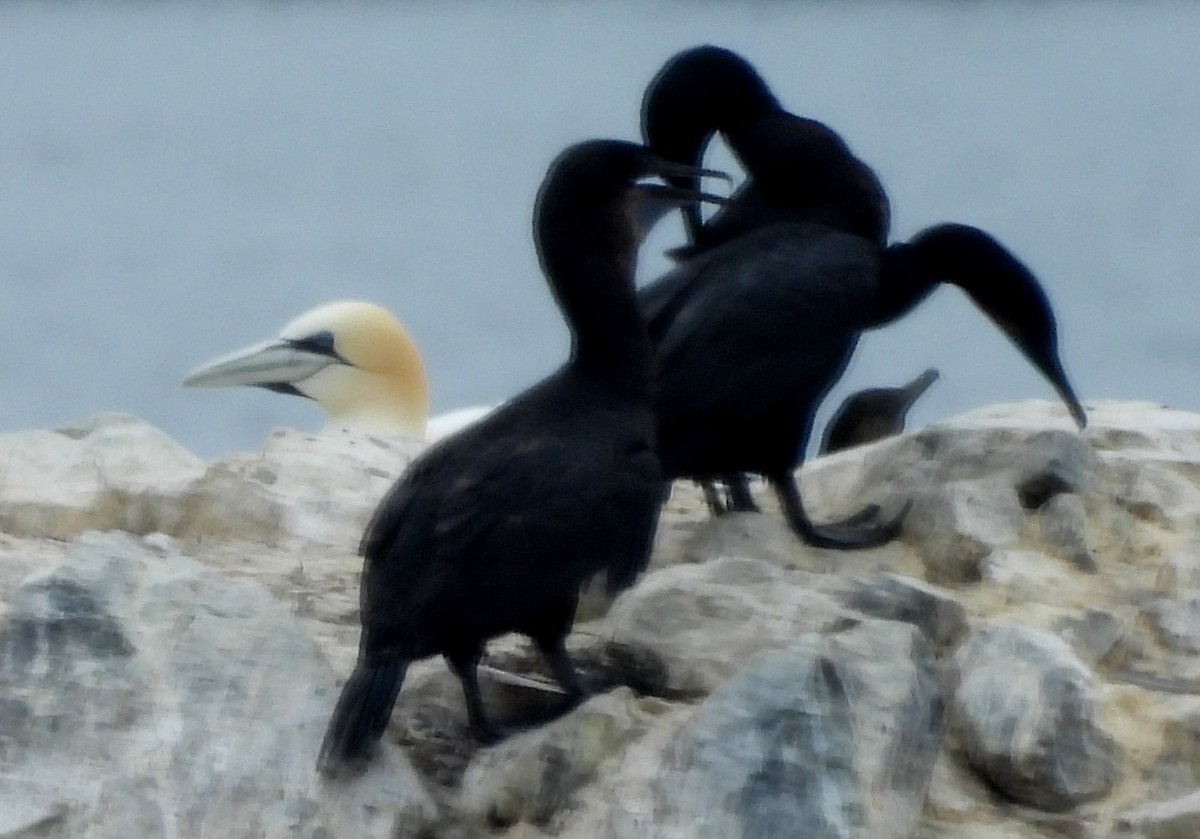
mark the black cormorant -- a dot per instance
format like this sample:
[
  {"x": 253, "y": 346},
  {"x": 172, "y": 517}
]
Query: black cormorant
[
  {"x": 872, "y": 414},
  {"x": 494, "y": 529},
  {"x": 760, "y": 319}
]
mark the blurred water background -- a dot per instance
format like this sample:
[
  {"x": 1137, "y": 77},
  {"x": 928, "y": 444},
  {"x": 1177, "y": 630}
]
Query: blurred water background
[{"x": 180, "y": 179}]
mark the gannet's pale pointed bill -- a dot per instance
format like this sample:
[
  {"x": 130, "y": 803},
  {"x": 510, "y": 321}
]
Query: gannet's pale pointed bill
[{"x": 269, "y": 363}]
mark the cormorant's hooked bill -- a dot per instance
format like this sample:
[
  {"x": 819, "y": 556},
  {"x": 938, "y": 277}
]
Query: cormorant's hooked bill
[
  {"x": 657, "y": 200},
  {"x": 999, "y": 283}
]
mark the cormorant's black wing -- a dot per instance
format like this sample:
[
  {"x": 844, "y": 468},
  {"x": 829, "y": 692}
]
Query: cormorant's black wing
[
  {"x": 772, "y": 310},
  {"x": 507, "y": 512}
]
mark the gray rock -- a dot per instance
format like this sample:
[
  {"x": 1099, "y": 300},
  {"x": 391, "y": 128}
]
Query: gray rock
[
  {"x": 1048, "y": 464},
  {"x": 1063, "y": 520},
  {"x": 1178, "y": 818},
  {"x": 1027, "y": 715},
  {"x": 837, "y": 734},
  {"x": 1027, "y": 574},
  {"x": 1098, "y": 637},
  {"x": 145, "y": 696},
  {"x": 1034, "y": 461},
  {"x": 934, "y": 611},
  {"x": 1179, "y": 574},
  {"x": 956, "y": 525},
  {"x": 1177, "y": 770},
  {"x": 536, "y": 776},
  {"x": 1176, "y": 623},
  {"x": 704, "y": 622},
  {"x": 763, "y": 536},
  {"x": 1154, "y": 492},
  {"x": 972, "y": 485}
]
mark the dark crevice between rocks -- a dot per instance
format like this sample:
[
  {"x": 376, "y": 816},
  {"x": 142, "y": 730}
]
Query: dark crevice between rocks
[
  {"x": 1144, "y": 511},
  {"x": 1037, "y": 489},
  {"x": 55, "y": 617},
  {"x": 436, "y": 737}
]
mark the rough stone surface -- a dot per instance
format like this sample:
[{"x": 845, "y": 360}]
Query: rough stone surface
[
  {"x": 536, "y": 776},
  {"x": 704, "y": 622},
  {"x": 1098, "y": 637},
  {"x": 825, "y": 734},
  {"x": 111, "y": 471},
  {"x": 145, "y": 696},
  {"x": 1177, "y": 623},
  {"x": 283, "y": 493},
  {"x": 933, "y": 610},
  {"x": 100, "y": 728},
  {"x": 1063, "y": 522},
  {"x": 1024, "y": 571},
  {"x": 959, "y": 523},
  {"x": 1178, "y": 818},
  {"x": 1179, "y": 574},
  {"x": 1026, "y": 711},
  {"x": 1177, "y": 768}
]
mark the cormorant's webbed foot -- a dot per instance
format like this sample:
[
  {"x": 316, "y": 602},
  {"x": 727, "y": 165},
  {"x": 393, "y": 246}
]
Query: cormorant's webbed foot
[{"x": 850, "y": 534}]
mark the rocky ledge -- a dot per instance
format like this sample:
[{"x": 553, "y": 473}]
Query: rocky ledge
[{"x": 1024, "y": 661}]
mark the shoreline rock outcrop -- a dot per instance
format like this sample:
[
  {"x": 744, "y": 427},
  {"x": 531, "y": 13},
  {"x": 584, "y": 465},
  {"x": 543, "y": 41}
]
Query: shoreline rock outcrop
[{"x": 1024, "y": 661}]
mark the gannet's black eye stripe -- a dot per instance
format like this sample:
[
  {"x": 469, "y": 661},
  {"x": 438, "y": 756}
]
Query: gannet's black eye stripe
[
  {"x": 320, "y": 343},
  {"x": 285, "y": 388}
]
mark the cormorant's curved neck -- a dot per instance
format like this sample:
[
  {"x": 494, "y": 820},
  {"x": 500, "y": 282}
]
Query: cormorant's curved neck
[
  {"x": 588, "y": 257},
  {"x": 904, "y": 282},
  {"x": 698, "y": 92},
  {"x": 804, "y": 168},
  {"x": 998, "y": 283}
]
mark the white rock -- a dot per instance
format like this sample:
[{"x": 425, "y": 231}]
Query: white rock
[
  {"x": 111, "y": 471},
  {"x": 319, "y": 488}
]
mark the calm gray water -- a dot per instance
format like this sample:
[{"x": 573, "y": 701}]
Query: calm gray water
[{"x": 179, "y": 180}]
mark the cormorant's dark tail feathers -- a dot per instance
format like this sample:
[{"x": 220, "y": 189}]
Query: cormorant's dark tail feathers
[{"x": 361, "y": 714}]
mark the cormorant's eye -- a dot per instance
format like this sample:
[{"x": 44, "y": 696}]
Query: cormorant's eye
[{"x": 320, "y": 343}]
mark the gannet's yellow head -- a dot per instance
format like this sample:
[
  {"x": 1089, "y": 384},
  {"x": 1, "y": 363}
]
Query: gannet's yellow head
[{"x": 353, "y": 358}]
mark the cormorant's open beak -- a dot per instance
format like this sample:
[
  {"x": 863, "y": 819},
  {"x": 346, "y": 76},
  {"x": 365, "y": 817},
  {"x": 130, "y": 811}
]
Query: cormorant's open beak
[
  {"x": 276, "y": 365},
  {"x": 656, "y": 200}
]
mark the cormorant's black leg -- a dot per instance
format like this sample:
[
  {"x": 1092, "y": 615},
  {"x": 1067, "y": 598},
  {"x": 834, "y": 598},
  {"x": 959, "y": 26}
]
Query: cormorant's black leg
[
  {"x": 740, "y": 499},
  {"x": 716, "y": 506},
  {"x": 836, "y": 535},
  {"x": 464, "y": 664},
  {"x": 555, "y": 652}
]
